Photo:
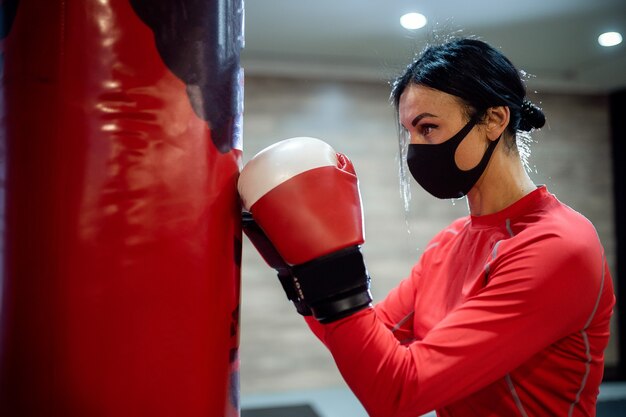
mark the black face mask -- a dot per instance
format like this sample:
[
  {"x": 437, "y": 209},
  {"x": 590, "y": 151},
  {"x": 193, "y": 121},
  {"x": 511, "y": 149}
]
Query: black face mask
[{"x": 434, "y": 168}]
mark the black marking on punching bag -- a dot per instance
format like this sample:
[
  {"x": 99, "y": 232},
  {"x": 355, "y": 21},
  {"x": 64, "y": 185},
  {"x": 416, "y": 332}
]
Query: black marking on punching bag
[
  {"x": 200, "y": 42},
  {"x": 238, "y": 246},
  {"x": 233, "y": 358},
  {"x": 8, "y": 10}
]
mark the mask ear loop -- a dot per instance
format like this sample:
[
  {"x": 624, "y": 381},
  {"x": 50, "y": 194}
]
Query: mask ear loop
[
  {"x": 462, "y": 134},
  {"x": 473, "y": 121},
  {"x": 487, "y": 155},
  {"x": 490, "y": 148}
]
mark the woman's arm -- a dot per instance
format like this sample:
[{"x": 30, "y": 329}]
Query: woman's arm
[{"x": 535, "y": 296}]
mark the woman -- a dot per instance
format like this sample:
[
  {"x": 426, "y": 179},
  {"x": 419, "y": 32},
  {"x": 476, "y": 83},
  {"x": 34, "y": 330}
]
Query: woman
[{"x": 507, "y": 311}]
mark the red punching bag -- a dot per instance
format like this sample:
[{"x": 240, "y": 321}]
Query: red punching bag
[{"x": 121, "y": 240}]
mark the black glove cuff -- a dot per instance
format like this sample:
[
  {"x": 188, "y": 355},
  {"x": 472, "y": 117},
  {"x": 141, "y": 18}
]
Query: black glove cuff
[
  {"x": 334, "y": 286},
  {"x": 330, "y": 311},
  {"x": 286, "y": 281}
]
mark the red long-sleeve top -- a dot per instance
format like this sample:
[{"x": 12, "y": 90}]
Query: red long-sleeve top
[{"x": 505, "y": 314}]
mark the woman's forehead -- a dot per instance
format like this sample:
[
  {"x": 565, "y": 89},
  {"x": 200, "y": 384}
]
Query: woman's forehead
[{"x": 417, "y": 99}]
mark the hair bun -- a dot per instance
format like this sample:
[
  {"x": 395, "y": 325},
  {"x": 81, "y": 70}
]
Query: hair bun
[{"x": 532, "y": 117}]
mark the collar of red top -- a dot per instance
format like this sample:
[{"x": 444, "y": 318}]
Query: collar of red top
[{"x": 530, "y": 202}]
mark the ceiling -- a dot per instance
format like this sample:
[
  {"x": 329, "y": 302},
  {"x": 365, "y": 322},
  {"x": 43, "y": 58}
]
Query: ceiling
[{"x": 555, "y": 41}]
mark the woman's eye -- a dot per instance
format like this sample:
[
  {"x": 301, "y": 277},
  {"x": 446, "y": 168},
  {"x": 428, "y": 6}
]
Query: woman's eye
[{"x": 426, "y": 129}]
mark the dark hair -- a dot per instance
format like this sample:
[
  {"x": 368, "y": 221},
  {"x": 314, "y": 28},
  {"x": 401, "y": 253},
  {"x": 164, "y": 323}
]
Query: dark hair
[{"x": 479, "y": 75}]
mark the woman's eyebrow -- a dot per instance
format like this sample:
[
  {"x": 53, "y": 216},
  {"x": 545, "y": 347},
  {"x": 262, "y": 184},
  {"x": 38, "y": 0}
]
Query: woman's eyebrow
[{"x": 420, "y": 117}]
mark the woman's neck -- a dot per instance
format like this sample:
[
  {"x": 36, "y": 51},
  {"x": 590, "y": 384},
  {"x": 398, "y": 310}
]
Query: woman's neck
[{"x": 504, "y": 182}]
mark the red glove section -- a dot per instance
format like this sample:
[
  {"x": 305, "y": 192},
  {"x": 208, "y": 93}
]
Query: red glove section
[
  {"x": 306, "y": 214},
  {"x": 322, "y": 207}
]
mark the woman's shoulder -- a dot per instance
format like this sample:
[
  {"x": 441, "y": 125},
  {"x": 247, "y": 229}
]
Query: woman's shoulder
[
  {"x": 557, "y": 235},
  {"x": 562, "y": 225}
]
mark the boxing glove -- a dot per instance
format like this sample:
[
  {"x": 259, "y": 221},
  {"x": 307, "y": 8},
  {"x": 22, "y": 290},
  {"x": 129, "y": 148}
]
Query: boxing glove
[{"x": 305, "y": 198}]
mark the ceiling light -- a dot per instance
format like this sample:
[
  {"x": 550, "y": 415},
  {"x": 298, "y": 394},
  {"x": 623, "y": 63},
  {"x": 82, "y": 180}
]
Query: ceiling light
[
  {"x": 413, "y": 21},
  {"x": 610, "y": 39}
]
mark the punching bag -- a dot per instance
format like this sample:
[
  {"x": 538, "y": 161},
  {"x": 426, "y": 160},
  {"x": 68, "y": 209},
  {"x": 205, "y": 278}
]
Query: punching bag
[{"x": 121, "y": 236}]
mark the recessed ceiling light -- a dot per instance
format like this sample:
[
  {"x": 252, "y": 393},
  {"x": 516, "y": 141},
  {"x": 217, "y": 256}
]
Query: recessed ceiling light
[
  {"x": 610, "y": 39},
  {"x": 413, "y": 21}
]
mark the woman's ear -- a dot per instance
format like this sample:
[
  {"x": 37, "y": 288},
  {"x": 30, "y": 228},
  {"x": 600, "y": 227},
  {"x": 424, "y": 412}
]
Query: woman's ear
[{"x": 496, "y": 121}]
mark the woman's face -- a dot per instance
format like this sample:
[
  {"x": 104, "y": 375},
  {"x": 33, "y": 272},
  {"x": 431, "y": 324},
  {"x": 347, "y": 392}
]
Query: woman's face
[{"x": 432, "y": 117}]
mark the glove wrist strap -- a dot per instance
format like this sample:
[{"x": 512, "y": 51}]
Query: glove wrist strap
[{"x": 334, "y": 286}]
